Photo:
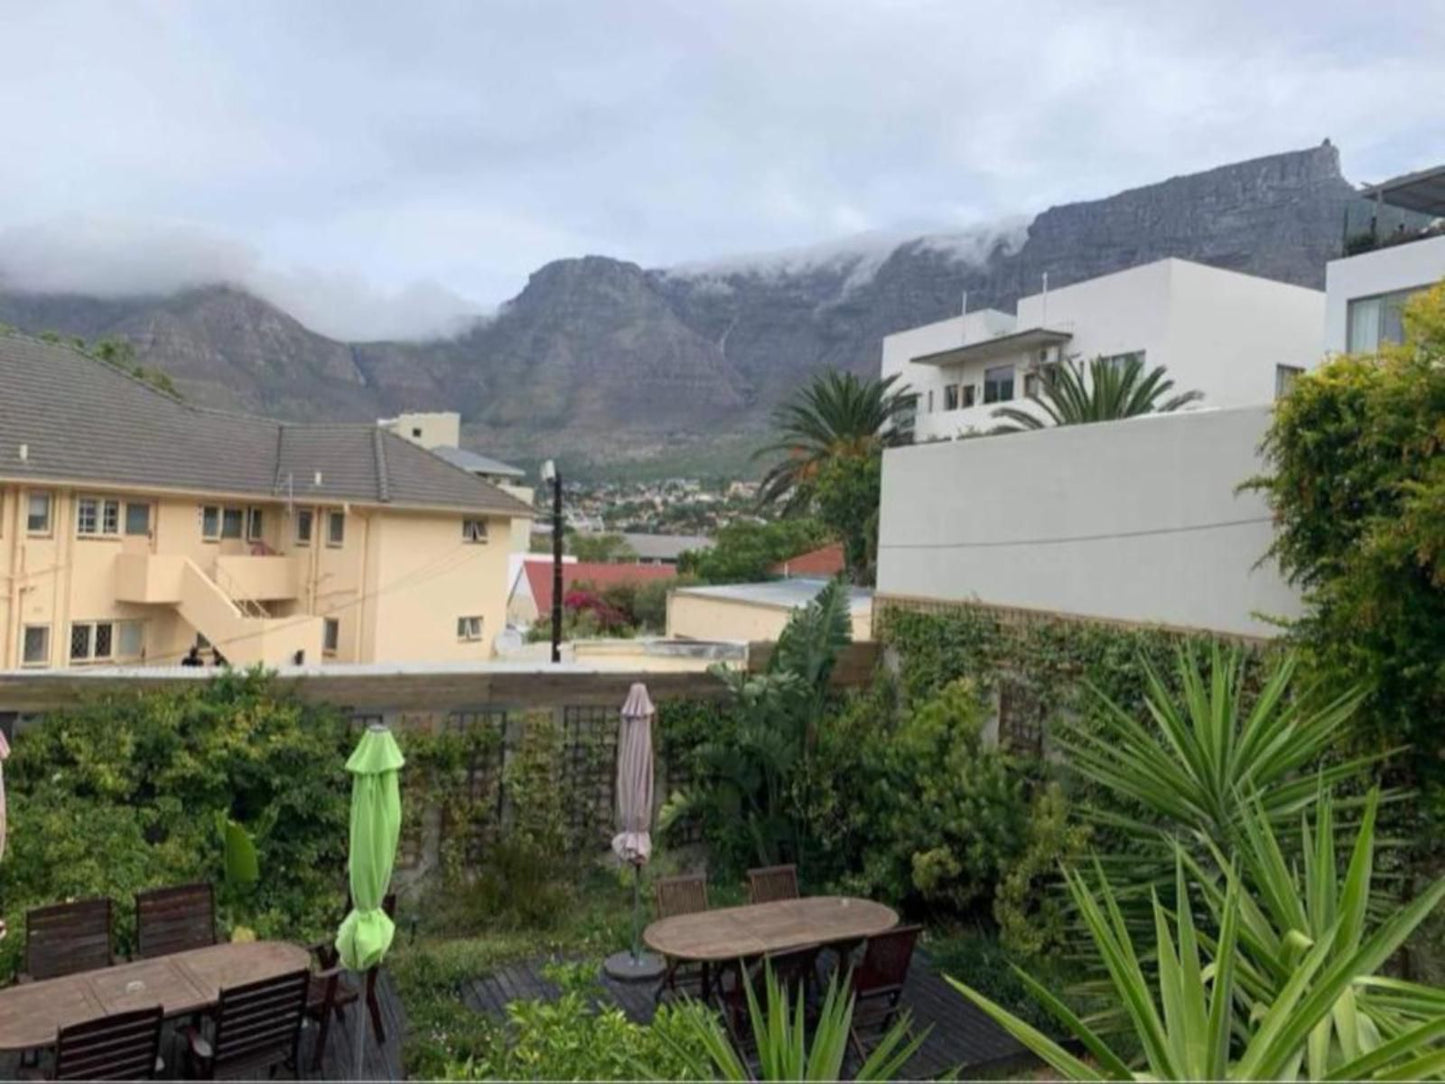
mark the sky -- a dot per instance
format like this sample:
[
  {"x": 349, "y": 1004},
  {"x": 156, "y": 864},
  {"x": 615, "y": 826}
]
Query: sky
[{"x": 383, "y": 169}]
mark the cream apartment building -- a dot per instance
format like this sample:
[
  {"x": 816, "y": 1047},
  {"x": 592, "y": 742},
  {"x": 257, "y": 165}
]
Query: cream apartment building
[{"x": 133, "y": 526}]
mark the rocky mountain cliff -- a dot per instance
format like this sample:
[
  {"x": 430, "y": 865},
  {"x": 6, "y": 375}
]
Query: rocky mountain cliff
[{"x": 602, "y": 359}]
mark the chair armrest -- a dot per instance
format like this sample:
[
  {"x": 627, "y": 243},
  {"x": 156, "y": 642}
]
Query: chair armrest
[{"x": 324, "y": 952}]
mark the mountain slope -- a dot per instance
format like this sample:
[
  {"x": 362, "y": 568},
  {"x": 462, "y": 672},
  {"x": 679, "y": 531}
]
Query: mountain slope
[{"x": 601, "y": 359}]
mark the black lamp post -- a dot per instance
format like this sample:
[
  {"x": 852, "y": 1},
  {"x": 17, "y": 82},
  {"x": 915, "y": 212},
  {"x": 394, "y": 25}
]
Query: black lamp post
[{"x": 551, "y": 476}]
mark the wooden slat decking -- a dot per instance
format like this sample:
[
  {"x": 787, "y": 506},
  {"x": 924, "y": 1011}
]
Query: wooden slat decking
[{"x": 962, "y": 1038}]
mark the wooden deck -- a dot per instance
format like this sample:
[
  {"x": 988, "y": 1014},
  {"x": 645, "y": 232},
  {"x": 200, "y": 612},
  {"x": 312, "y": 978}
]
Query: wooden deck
[
  {"x": 379, "y": 1062},
  {"x": 962, "y": 1040}
]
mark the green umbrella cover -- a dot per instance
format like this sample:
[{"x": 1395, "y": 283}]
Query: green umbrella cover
[{"x": 366, "y": 933}]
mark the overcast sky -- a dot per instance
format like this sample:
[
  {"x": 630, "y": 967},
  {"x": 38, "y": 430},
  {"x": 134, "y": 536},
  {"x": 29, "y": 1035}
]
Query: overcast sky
[{"x": 379, "y": 167}]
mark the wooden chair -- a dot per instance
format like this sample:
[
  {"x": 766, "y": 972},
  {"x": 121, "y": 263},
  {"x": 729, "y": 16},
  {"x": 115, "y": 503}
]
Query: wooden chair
[
  {"x": 67, "y": 937},
  {"x": 257, "y": 1026},
  {"x": 328, "y": 995},
  {"x": 772, "y": 883},
  {"x": 878, "y": 982},
  {"x": 682, "y": 896},
  {"x": 796, "y": 971},
  {"x": 175, "y": 919},
  {"x": 125, "y": 1046}
]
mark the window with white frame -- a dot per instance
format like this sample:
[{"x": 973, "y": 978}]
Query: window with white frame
[
  {"x": 998, "y": 384},
  {"x": 1284, "y": 379},
  {"x": 950, "y": 397},
  {"x": 36, "y": 650},
  {"x": 37, "y": 514},
  {"x": 91, "y": 641},
  {"x": 129, "y": 639},
  {"x": 255, "y": 524},
  {"x": 335, "y": 528},
  {"x": 233, "y": 522},
  {"x": 222, "y": 521},
  {"x": 304, "y": 520},
  {"x": 330, "y": 635},
  {"x": 1119, "y": 362},
  {"x": 469, "y": 628},
  {"x": 474, "y": 530},
  {"x": 97, "y": 516},
  {"x": 210, "y": 522},
  {"x": 1370, "y": 321},
  {"x": 967, "y": 395}
]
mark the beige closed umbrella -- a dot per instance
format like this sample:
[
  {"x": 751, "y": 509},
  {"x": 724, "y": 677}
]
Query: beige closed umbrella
[{"x": 633, "y": 841}]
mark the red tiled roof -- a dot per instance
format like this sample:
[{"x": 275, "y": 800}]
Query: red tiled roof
[
  {"x": 539, "y": 577},
  {"x": 825, "y": 561}
]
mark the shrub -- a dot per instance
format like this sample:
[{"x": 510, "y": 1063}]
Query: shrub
[{"x": 124, "y": 793}]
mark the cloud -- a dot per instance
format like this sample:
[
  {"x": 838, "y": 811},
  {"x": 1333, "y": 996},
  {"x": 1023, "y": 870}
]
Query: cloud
[
  {"x": 112, "y": 257},
  {"x": 346, "y": 151}
]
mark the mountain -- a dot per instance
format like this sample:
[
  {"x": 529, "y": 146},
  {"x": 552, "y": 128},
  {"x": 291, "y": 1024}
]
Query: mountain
[{"x": 603, "y": 360}]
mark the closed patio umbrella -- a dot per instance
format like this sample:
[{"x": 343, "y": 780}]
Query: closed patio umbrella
[
  {"x": 366, "y": 932},
  {"x": 4, "y": 752},
  {"x": 633, "y": 841}
]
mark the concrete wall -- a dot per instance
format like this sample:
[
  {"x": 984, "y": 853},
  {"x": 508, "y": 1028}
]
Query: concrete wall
[
  {"x": 396, "y": 584},
  {"x": 700, "y": 617},
  {"x": 1409, "y": 266},
  {"x": 1218, "y": 331},
  {"x": 1135, "y": 520},
  {"x": 435, "y": 429}
]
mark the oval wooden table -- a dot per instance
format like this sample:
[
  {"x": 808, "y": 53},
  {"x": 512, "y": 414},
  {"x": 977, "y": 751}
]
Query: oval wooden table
[
  {"x": 182, "y": 983},
  {"x": 756, "y": 929}
]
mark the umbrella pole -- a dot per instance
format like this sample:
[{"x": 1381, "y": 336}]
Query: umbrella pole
[
  {"x": 632, "y": 964},
  {"x": 361, "y": 1014},
  {"x": 636, "y": 911}
]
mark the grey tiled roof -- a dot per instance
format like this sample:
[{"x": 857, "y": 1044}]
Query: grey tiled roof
[
  {"x": 477, "y": 463},
  {"x": 83, "y": 421}
]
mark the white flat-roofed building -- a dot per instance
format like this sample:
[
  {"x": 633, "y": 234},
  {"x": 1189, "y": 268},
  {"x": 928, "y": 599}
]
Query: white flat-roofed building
[
  {"x": 1237, "y": 338},
  {"x": 1397, "y": 252}
]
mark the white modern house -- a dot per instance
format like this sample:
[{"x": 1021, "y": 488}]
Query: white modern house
[
  {"x": 1398, "y": 251},
  {"x": 1237, "y": 338}
]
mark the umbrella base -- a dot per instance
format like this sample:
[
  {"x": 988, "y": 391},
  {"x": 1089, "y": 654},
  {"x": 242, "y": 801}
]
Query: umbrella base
[{"x": 626, "y": 967}]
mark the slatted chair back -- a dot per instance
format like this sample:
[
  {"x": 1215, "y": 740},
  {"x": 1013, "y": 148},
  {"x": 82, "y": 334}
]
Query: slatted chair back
[
  {"x": 680, "y": 895},
  {"x": 175, "y": 919},
  {"x": 119, "y": 1047},
  {"x": 796, "y": 969},
  {"x": 67, "y": 937},
  {"x": 884, "y": 967},
  {"x": 258, "y": 1025},
  {"x": 772, "y": 883}
]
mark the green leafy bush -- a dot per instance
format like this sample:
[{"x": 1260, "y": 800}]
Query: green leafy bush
[
  {"x": 745, "y": 552},
  {"x": 127, "y": 793}
]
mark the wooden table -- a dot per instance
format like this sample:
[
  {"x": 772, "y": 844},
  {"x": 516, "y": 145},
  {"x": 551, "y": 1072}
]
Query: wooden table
[
  {"x": 731, "y": 933},
  {"x": 186, "y": 982}
]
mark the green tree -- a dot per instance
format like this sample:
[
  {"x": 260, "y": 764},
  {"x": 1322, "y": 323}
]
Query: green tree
[
  {"x": 1357, "y": 485},
  {"x": 1070, "y": 395},
  {"x": 847, "y": 491},
  {"x": 602, "y": 548},
  {"x": 745, "y": 552},
  {"x": 837, "y": 415}
]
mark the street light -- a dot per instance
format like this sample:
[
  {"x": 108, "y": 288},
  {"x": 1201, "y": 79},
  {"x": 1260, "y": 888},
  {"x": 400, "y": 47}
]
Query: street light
[{"x": 550, "y": 476}]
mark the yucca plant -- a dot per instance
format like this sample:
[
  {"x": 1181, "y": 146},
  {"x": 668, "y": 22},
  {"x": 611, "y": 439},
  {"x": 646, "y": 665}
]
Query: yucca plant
[
  {"x": 1190, "y": 1020},
  {"x": 1071, "y": 395},
  {"x": 1295, "y": 904},
  {"x": 1198, "y": 766},
  {"x": 781, "y": 1033}
]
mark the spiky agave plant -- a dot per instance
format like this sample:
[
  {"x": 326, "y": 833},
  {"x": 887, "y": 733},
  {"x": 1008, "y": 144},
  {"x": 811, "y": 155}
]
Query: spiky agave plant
[
  {"x": 1071, "y": 395},
  {"x": 1190, "y": 1021}
]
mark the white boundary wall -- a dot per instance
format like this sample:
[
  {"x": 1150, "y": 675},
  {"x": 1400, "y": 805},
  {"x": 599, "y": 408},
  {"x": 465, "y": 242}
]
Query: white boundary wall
[{"x": 1135, "y": 520}]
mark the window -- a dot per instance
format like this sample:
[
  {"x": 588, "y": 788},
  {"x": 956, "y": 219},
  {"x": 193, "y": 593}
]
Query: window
[
  {"x": 91, "y": 640},
  {"x": 998, "y": 384},
  {"x": 1032, "y": 384},
  {"x": 303, "y": 526},
  {"x": 37, "y": 518},
  {"x": 474, "y": 530},
  {"x": 1370, "y": 321},
  {"x": 210, "y": 522},
  {"x": 37, "y": 645},
  {"x": 137, "y": 519},
  {"x": 335, "y": 528},
  {"x": 330, "y": 635},
  {"x": 416, "y": 432},
  {"x": 930, "y": 400},
  {"x": 950, "y": 397},
  {"x": 254, "y": 524},
  {"x": 232, "y": 520},
  {"x": 130, "y": 639},
  {"x": 469, "y": 628},
  {"x": 1284, "y": 379},
  {"x": 97, "y": 516},
  {"x": 967, "y": 395}
]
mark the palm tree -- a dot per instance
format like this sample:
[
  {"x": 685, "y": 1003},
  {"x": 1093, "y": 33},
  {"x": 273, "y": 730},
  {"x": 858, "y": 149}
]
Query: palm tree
[
  {"x": 1110, "y": 391},
  {"x": 836, "y": 416}
]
